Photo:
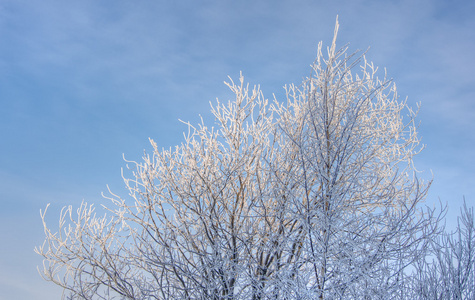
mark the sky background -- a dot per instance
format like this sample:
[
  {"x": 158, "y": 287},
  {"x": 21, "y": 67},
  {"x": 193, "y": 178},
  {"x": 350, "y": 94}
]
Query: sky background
[{"x": 84, "y": 82}]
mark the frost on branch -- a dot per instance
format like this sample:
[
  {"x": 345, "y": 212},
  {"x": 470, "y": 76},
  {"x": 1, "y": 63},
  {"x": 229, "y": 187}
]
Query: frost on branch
[
  {"x": 448, "y": 272},
  {"x": 311, "y": 198}
]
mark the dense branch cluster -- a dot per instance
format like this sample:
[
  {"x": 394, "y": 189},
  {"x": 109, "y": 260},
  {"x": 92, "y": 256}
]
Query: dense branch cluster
[{"x": 312, "y": 198}]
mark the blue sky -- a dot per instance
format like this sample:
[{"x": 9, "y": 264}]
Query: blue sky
[{"x": 83, "y": 82}]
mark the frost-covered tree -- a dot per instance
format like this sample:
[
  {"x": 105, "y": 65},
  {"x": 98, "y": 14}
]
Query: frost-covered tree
[
  {"x": 448, "y": 272},
  {"x": 314, "y": 197}
]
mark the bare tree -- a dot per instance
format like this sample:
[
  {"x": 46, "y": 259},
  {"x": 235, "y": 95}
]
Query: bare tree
[
  {"x": 448, "y": 271},
  {"x": 312, "y": 198}
]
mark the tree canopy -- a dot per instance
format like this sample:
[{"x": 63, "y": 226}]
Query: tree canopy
[{"x": 313, "y": 197}]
